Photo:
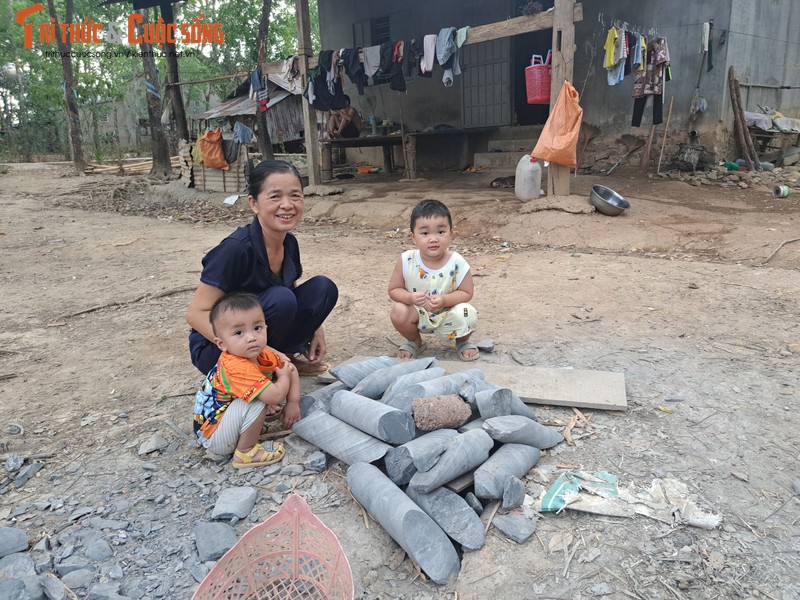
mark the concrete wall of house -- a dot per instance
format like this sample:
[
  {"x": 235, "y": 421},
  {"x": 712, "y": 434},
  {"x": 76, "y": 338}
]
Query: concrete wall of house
[
  {"x": 760, "y": 42},
  {"x": 766, "y": 53}
]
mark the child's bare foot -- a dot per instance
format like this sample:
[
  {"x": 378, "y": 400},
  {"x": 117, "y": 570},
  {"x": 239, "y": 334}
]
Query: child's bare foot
[
  {"x": 409, "y": 349},
  {"x": 308, "y": 367},
  {"x": 467, "y": 350}
]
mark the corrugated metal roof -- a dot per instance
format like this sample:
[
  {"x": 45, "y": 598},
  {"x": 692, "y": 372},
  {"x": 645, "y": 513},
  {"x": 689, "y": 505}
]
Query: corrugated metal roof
[{"x": 243, "y": 105}]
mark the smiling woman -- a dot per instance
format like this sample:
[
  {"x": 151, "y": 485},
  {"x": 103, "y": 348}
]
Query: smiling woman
[{"x": 263, "y": 258}]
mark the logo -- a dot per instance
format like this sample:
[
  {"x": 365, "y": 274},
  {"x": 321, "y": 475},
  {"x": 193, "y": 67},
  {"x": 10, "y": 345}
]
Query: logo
[{"x": 134, "y": 31}]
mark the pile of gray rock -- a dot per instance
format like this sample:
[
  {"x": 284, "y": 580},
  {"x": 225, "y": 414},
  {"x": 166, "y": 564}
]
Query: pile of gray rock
[
  {"x": 400, "y": 472},
  {"x": 721, "y": 176}
]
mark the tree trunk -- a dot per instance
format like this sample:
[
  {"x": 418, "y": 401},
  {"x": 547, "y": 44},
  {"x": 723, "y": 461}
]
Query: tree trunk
[
  {"x": 161, "y": 162},
  {"x": 181, "y": 127},
  {"x": 264, "y": 140},
  {"x": 64, "y": 49}
]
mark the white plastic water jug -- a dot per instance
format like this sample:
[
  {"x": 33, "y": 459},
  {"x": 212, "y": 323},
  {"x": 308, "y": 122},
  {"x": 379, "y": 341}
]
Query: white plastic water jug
[{"x": 528, "y": 180}]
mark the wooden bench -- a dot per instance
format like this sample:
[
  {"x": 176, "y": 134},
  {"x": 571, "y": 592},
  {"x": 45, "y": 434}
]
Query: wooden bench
[{"x": 384, "y": 141}]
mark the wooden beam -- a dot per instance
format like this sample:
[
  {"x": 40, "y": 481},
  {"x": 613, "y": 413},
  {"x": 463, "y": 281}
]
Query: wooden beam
[
  {"x": 558, "y": 183},
  {"x": 304, "y": 51},
  {"x": 517, "y": 25}
]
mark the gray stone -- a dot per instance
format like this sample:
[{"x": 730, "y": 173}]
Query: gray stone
[
  {"x": 408, "y": 379},
  {"x": 441, "y": 386},
  {"x": 99, "y": 550},
  {"x": 66, "y": 552},
  {"x": 235, "y": 502},
  {"x": 462, "y": 453},
  {"x": 213, "y": 539},
  {"x": 319, "y": 489},
  {"x": 13, "y": 463},
  {"x": 101, "y": 523},
  {"x": 81, "y": 512},
  {"x": 317, "y": 462},
  {"x": 339, "y": 439},
  {"x": 376, "y": 383},
  {"x": 513, "y": 493},
  {"x": 419, "y": 454},
  {"x": 473, "y": 502},
  {"x": 81, "y": 578},
  {"x": 105, "y": 591},
  {"x": 116, "y": 572},
  {"x": 352, "y": 373},
  {"x": 73, "y": 563},
  {"x": 389, "y": 424},
  {"x": 12, "y": 540},
  {"x": 292, "y": 470},
  {"x": 796, "y": 486},
  {"x": 319, "y": 399},
  {"x": 486, "y": 345},
  {"x": 199, "y": 572},
  {"x": 13, "y": 588},
  {"x": 452, "y": 513},
  {"x": 26, "y": 473},
  {"x": 493, "y": 403},
  {"x": 153, "y": 444},
  {"x": 600, "y": 589},
  {"x": 510, "y": 460},
  {"x": 418, "y": 534},
  {"x": 34, "y": 586},
  {"x": 52, "y": 587},
  {"x": 515, "y": 429},
  {"x": 16, "y": 566},
  {"x": 517, "y": 527},
  {"x": 42, "y": 561},
  {"x": 474, "y": 424}
]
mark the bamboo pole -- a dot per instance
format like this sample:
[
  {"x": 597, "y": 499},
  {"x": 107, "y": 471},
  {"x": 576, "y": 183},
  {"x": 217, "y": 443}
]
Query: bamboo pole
[{"x": 666, "y": 133}]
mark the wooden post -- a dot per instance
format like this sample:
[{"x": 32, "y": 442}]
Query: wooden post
[
  {"x": 309, "y": 113},
  {"x": 327, "y": 162},
  {"x": 645, "y": 162},
  {"x": 411, "y": 156},
  {"x": 664, "y": 137},
  {"x": 558, "y": 183}
]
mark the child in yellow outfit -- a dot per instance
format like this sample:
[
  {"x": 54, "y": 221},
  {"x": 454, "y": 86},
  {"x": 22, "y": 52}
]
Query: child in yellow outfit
[
  {"x": 250, "y": 382},
  {"x": 432, "y": 286}
]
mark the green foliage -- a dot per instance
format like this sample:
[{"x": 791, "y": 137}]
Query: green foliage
[{"x": 32, "y": 107}]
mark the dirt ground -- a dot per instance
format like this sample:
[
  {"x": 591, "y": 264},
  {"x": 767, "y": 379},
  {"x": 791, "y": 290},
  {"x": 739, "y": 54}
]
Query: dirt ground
[{"x": 97, "y": 273}]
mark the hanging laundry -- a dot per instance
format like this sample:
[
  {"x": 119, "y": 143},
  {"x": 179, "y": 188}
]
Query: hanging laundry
[
  {"x": 428, "y": 53},
  {"x": 397, "y": 81},
  {"x": 412, "y": 52},
  {"x": 651, "y": 83},
  {"x": 447, "y": 54},
  {"x": 242, "y": 133},
  {"x": 354, "y": 69},
  {"x": 611, "y": 42},
  {"x": 372, "y": 60}
]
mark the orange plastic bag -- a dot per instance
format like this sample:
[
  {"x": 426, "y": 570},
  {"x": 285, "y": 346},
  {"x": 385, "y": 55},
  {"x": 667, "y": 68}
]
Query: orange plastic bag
[
  {"x": 211, "y": 148},
  {"x": 559, "y": 138}
]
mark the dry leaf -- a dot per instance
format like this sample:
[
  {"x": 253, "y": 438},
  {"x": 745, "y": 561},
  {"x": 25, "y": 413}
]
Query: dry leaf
[
  {"x": 560, "y": 541},
  {"x": 666, "y": 409}
]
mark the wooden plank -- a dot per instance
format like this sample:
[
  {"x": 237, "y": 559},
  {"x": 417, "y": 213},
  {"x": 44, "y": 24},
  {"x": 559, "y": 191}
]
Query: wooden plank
[
  {"x": 604, "y": 390},
  {"x": 459, "y": 484},
  {"x": 517, "y": 25},
  {"x": 305, "y": 52}
]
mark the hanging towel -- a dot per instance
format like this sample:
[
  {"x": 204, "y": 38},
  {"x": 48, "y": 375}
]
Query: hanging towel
[
  {"x": 354, "y": 68},
  {"x": 428, "y": 53},
  {"x": 447, "y": 54},
  {"x": 461, "y": 36},
  {"x": 704, "y": 37},
  {"x": 372, "y": 60}
]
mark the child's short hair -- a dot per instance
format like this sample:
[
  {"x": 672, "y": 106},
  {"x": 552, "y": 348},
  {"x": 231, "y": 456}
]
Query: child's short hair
[
  {"x": 232, "y": 302},
  {"x": 430, "y": 208}
]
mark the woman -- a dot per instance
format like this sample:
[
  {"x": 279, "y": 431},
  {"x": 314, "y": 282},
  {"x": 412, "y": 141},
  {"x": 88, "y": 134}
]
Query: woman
[{"x": 263, "y": 258}]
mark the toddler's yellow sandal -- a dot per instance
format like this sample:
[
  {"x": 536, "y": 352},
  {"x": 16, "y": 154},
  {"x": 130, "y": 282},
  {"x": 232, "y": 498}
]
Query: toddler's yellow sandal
[{"x": 258, "y": 456}]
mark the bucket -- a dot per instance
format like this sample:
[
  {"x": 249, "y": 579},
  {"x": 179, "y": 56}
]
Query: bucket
[
  {"x": 537, "y": 80},
  {"x": 781, "y": 191}
]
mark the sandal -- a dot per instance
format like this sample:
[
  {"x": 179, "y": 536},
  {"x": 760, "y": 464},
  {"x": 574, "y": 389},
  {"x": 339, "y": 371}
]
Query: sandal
[
  {"x": 412, "y": 348},
  {"x": 248, "y": 459},
  {"x": 462, "y": 347}
]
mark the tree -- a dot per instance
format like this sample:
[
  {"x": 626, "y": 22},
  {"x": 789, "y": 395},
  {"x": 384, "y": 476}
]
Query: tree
[
  {"x": 264, "y": 141},
  {"x": 172, "y": 76},
  {"x": 65, "y": 49},
  {"x": 161, "y": 161}
]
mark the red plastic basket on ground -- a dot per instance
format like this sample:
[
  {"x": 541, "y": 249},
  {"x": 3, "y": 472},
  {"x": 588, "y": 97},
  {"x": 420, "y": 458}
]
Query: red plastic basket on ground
[
  {"x": 537, "y": 80},
  {"x": 289, "y": 556}
]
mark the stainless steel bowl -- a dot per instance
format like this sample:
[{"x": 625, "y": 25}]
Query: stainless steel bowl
[{"x": 607, "y": 201}]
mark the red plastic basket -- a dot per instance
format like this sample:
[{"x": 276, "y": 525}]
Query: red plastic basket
[
  {"x": 289, "y": 556},
  {"x": 537, "y": 80}
]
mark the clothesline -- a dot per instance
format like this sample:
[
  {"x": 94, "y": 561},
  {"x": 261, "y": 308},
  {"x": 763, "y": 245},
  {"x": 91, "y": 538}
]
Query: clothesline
[{"x": 619, "y": 24}]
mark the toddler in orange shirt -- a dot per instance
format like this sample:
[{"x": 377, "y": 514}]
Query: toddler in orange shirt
[{"x": 250, "y": 382}]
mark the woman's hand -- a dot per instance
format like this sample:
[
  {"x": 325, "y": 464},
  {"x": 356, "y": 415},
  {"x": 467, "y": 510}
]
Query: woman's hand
[{"x": 318, "y": 348}]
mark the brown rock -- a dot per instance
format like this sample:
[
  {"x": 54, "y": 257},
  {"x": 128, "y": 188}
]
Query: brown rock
[{"x": 440, "y": 412}]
